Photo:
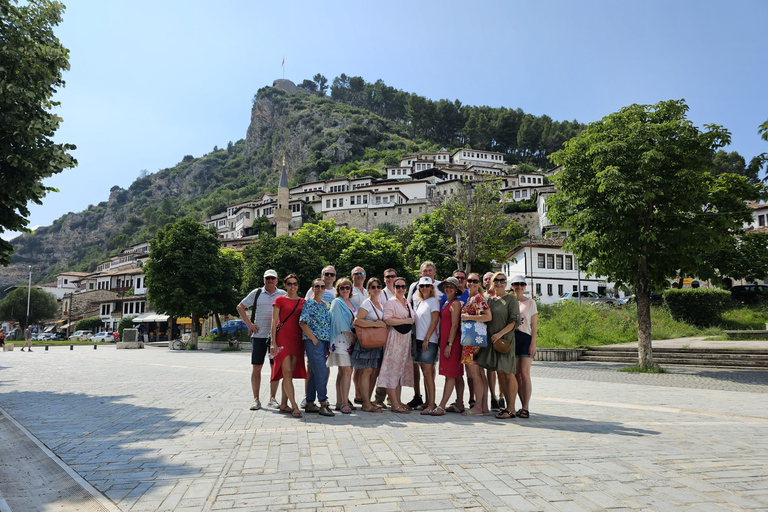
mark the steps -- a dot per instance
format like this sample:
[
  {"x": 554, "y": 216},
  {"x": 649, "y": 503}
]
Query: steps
[{"x": 722, "y": 358}]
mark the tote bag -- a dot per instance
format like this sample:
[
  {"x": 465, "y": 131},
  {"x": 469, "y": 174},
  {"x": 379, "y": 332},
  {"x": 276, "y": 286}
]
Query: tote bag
[
  {"x": 474, "y": 334},
  {"x": 372, "y": 337}
]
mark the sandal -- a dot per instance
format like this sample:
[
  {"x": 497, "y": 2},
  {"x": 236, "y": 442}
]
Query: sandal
[
  {"x": 297, "y": 413},
  {"x": 285, "y": 410},
  {"x": 372, "y": 409},
  {"x": 401, "y": 410},
  {"x": 469, "y": 412},
  {"x": 523, "y": 413},
  {"x": 509, "y": 415},
  {"x": 427, "y": 412},
  {"x": 454, "y": 408},
  {"x": 346, "y": 409},
  {"x": 439, "y": 411}
]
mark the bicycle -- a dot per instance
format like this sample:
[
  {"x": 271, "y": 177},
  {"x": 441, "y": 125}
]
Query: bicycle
[{"x": 179, "y": 345}]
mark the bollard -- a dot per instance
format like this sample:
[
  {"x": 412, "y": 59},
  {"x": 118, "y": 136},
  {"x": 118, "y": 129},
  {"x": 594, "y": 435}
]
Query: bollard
[
  {"x": 94, "y": 346},
  {"x": 71, "y": 346},
  {"x": 46, "y": 347}
]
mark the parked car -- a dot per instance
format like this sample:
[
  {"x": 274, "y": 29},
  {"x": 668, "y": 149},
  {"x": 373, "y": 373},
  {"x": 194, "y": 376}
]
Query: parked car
[
  {"x": 231, "y": 327},
  {"x": 590, "y": 297},
  {"x": 750, "y": 293},
  {"x": 46, "y": 336},
  {"x": 656, "y": 299},
  {"x": 101, "y": 337},
  {"x": 80, "y": 336}
]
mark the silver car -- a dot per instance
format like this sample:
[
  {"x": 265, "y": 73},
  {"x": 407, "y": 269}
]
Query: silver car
[{"x": 590, "y": 297}]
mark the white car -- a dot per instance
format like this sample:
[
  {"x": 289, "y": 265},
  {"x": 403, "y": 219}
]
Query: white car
[
  {"x": 80, "y": 336},
  {"x": 102, "y": 337}
]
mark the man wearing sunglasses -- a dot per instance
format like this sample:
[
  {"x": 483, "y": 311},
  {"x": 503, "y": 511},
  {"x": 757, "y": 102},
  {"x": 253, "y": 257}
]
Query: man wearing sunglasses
[
  {"x": 260, "y": 329},
  {"x": 389, "y": 284},
  {"x": 329, "y": 277},
  {"x": 359, "y": 293}
]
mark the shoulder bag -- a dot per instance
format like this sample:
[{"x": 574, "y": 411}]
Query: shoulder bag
[
  {"x": 404, "y": 328},
  {"x": 474, "y": 334},
  {"x": 502, "y": 346},
  {"x": 372, "y": 337}
]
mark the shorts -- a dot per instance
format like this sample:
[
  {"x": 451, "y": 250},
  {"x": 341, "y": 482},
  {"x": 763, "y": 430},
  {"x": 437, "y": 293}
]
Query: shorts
[
  {"x": 259, "y": 349},
  {"x": 522, "y": 344},
  {"x": 426, "y": 357}
]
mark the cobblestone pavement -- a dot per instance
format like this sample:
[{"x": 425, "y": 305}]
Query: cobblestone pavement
[{"x": 159, "y": 430}]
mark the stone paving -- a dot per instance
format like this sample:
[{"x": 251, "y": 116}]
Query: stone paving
[{"x": 160, "y": 430}]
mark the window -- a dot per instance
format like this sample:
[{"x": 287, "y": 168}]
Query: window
[
  {"x": 352, "y": 200},
  {"x": 327, "y": 203},
  {"x": 569, "y": 263},
  {"x": 386, "y": 199},
  {"x": 549, "y": 289},
  {"x": 539, "y": 181},
  {"x": 559, "y": 264},
  {"x": 391, "y": 199},
  {"x": 517, "y": 194},
  {"x": 365, "y": 199},
  {"x": 525, "y": 193},
  {"x": 399, "y": 211},
  {"x": 341, "y": 201},
  {"x": 550, "y": 262},
  {"x": 138, "y": 282},
  {"x": 247, "y": 215},
  {"x": 378, "y": 199},
  {"x": 584, "y": 288},
  {"x": 334, "y": 203},
  {"x": 420, "y": 209},
  {"x": 541, "y": 260},
  {"x": 538, "y": 289},
  {"x": 559, "y": 290},
  {"x": 761, "y": 220},
  {"x": 575, "y": 288},
  {"x": 409, "y": 210}
]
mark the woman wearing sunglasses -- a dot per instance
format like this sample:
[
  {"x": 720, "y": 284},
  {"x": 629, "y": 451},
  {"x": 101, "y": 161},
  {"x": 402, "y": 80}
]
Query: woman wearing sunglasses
[
  {"x": 450, "y": 348},
  {"x": 525, "y": 344},
  {"x": 475, "y": 310},
  {"x": 367, "y": 361},
  {"x": 286, "y": 346},
  {"x": 426, "y": 316},
  {"x": 397, "y": 365},
  {"x": 505, "y": 314},
  {"x": 342, "y": 339}
]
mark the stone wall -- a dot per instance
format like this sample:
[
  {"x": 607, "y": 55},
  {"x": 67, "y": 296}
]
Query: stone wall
[
  {"x": 529, "y": 221},
  {"x": 368, "y": 219}
]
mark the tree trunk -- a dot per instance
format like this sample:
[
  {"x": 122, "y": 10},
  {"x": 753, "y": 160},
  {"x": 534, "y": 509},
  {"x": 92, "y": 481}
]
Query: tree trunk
[
  {"x": 193, "y": 337},
  {"x": 218, "y": 324},
  {"x": 643, "y": 295}
]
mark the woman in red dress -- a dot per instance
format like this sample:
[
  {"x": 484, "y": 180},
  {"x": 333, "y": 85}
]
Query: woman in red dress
[
  {"x": 287, "y": 347},
  {"x": 450, "y": 337}
]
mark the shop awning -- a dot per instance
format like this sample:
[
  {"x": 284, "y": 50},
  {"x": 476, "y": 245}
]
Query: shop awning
[
  {"x": 185, "y": 320},
  {"x": 63, "y": 326},
  {"x": 150, "y": 317},
  {"x": 60, "y": 321}
]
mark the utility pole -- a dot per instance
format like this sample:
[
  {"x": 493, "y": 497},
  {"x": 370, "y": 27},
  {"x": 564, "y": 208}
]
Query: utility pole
[{"x": 29, "y": 292}]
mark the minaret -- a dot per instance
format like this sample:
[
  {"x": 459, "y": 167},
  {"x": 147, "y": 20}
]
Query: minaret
[{"x": 282, "y": 214}]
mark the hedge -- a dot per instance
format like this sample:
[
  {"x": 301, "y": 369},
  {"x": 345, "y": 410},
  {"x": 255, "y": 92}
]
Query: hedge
[
  {"x": 697, "y": 306},
  {"x": 88, "y": 324}
]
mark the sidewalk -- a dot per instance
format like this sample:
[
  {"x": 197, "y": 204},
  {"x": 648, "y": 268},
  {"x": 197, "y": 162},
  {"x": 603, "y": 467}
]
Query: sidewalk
[
  {"x": 701, "y": 342},
  {"x": 158, "y": 430}
]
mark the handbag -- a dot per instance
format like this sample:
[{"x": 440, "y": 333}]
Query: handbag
[
  {"x": 502, "y": 346},
  {"x": 404, "y": 328},
  {"x": 372, "y": 337},
  {"x": 474, "y": 334}
]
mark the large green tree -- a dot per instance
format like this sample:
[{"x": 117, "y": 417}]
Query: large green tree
[
  {"x": 188, "y": 275},
  {"x": 643, "y": 201},
  {"x": 31, "y": 62},
  {"x": 42, "y": 306}
]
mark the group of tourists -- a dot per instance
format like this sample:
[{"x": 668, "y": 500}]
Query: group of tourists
[{"x": 384, "y": 335}]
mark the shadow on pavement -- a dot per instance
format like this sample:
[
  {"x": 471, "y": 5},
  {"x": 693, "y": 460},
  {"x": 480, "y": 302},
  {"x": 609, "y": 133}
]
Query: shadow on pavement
[
  {"x": 94, "y": 436},
  {"x": 570, "y": 424}
]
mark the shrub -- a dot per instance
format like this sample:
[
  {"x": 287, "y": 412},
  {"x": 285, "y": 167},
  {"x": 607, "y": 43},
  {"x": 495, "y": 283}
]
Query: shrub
[
  {"x": 520, "y": 206},
  {"x": 125, "y": 323},
  {"x": 88, "y": 324},
  {"x": 699, "y": 306}
]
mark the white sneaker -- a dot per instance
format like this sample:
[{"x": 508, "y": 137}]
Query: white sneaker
[
  {"x": 256, "y": 405},
  {"x": 304, "y": 402},
  {"x": 273, "y": 403}
]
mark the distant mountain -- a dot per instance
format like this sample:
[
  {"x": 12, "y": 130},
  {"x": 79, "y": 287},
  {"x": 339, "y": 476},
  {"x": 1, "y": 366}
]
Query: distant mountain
[{"x": 319, "y": 137}]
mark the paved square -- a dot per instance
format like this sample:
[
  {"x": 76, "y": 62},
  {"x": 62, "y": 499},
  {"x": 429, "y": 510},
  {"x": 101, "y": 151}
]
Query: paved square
[{"x": 159, "y": 430}]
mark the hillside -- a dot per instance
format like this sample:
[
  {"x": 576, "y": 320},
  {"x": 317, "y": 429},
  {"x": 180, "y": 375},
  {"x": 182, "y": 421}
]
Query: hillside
[{"x": 319, "y": 136}]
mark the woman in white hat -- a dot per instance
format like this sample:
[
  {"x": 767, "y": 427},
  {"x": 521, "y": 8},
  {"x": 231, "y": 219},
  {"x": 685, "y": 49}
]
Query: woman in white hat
[
  {"x": 426, "y": 317},
  {"x": 525, "y": 344}
]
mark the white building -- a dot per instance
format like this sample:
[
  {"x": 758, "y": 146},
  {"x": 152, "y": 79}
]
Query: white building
[{"x": 549, "y": 271}]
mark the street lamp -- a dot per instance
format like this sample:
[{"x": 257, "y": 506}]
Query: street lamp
[{"x": 29, "y": 292}]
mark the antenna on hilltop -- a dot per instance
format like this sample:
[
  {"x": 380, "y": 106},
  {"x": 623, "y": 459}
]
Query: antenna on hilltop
[{"x": 283, "y": 66}]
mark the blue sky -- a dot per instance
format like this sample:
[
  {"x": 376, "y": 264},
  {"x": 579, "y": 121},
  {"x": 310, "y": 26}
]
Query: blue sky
[{"x": 152, "y": 81}]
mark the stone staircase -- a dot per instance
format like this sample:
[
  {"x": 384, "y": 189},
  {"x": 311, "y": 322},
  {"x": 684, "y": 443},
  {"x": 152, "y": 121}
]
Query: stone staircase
[{"x": 714, "y": 357}]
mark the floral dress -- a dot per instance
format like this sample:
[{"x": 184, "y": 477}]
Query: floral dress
[
  {"x": 397, "y": 365},
  {"x": 474, "y": 306}
]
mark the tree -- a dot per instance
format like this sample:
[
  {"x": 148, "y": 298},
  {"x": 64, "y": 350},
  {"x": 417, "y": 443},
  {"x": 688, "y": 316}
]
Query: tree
[
  {"x": 42, "y": 306},
  {"x": 187, "y": 274},
  {"x": 31, "y": 64},
  {"x": 475, "y": 220},
  {"x": 642, "y": 201},
  {"x": 734, "y": 163},
  {"x": 88, "y": 324},
  {"x": 308, "y": 85},
  {"x": 322, "y": 83}
]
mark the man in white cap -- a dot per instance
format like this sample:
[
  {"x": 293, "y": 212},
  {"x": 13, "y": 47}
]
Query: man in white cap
[{"x": 261, "y": 299}]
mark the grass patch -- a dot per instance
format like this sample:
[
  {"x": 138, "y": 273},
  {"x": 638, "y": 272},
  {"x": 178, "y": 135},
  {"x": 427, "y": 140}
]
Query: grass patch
[
  {"x": 234, "y": 348},
  {"x": 745, "y": 318},
  {"x": 55, "y": 343},
  {"x": 636, "y": 369},
  {"x": 571, "y": 325}
]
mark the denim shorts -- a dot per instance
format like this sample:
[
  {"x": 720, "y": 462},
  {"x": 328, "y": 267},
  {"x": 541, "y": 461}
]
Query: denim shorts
[
  {"x": 522, "y": 344},
  {"x": 429, "y": 356}
]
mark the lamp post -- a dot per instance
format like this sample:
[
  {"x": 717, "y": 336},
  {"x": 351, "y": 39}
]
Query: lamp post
[{"x": 29, "y": 292}]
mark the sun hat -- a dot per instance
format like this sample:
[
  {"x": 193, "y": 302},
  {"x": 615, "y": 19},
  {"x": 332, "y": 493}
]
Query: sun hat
[
  {"x": 270, "y": 273},
  {"x": 518, "y": 279},
  {"x": 425, "y": 280},
  {"x": 450, "y": 280}
]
